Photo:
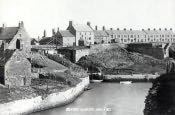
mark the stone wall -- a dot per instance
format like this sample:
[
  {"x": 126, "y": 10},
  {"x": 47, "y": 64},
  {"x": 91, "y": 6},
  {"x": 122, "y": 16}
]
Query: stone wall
[
  {"x": 148, "y": 49},
  {"x": 40, "y": 103}
]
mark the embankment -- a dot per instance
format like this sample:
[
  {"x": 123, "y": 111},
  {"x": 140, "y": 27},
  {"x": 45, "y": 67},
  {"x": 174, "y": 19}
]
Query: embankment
[{"x": 39, "y": 103}]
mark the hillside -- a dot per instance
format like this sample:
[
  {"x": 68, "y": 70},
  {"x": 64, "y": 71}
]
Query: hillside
[
  {"x": 117, "y": 58},
  {"x": 49, "y": 69}
]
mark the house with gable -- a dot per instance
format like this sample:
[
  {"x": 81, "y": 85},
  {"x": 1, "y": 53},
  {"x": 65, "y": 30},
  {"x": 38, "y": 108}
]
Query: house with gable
[
  {"x": 66, "y": 38},
  {"x": 84, "y": 35},
  {"x": 15, "y": 66}
]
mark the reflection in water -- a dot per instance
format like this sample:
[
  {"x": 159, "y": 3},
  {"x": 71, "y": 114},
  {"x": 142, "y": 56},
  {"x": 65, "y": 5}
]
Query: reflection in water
[{"x": 106, "y": 99}]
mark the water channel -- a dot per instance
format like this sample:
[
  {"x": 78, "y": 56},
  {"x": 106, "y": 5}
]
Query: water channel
[{"x": 106, "y": 99}]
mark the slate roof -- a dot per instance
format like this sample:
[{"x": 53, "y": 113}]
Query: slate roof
[
  {"x": 5, "y": 56},
  {"x": 165, "y": 32},
  {"x": 151, "y": 31},
  {"x": 45, "y": 40},
  {"x": 66, "y": 33},
  {"x": 8, "y": 33},
  {"x": 82, "y": 27},
  {"x": 100, "y": 33}
]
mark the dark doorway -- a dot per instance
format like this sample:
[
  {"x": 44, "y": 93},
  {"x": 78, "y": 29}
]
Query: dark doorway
[
  {"x": 18, "y": 44},
  {"x": 2, "y": 80}
]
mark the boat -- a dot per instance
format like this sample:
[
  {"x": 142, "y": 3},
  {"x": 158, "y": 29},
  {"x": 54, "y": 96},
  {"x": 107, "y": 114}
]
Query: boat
[
  {"x": 95, "y": 81},
  {"x": 125, "y": 82}
]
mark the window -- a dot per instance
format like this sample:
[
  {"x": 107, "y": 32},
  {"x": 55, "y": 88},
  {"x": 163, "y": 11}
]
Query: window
[
  {"x": 118, "y": 36},
  {"x": 131, "y": 36},
  {"x": 89, "y": 38},
  {"x": 20, "y": 35}
]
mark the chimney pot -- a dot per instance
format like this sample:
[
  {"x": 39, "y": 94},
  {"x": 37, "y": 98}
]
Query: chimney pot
[
  {"x": 53, "y": 32},
  {"x": 130, "y": 29},
  {"x": 171, "y": 29},
  {"x": 142, "y": 29},
  {"x": 104, "y": 28},
  {"x": 88, "y": 23},
  {"x": 21, "y": 24},
  {"x": 118, "y": 29},
  {"x": 159, "y": 28},
  {"x": 124, "y": 29},
  {"x": 70, "y": 23},
  {"x": 96, "y": 28},
  {"x": 149, "y": 29},
  {"x": 3, "y": 25},
  {"x": 111, "y": 28},
  {"x": 44, "y": 34},
  {"x": 165, "y": 28}
]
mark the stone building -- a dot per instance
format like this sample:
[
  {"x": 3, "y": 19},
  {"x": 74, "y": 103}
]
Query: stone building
[
  {"x": 66, "y": 38},
  {"x": 15, "y": 67},
  {"x": 100, "y": 36},
  {"x": 15, "y": 38},
  {"x": 84, "y": 35},
  {"x": 74, "y": 53}
]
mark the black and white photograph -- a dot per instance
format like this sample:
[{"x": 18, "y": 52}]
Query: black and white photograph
[{"x": 87, "y": 57}]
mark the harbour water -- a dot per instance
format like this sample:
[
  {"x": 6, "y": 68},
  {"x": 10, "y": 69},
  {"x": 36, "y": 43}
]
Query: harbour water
[{"x": 106, "y": 99}]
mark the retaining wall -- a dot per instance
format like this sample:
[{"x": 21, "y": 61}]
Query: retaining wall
[{"x": 39, "y": 103}]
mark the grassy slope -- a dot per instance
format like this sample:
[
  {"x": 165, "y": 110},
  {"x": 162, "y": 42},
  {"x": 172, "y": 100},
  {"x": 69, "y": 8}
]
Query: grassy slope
[
  {"x": 118, "y": 58},
  {"x": 53, "y": 81}
]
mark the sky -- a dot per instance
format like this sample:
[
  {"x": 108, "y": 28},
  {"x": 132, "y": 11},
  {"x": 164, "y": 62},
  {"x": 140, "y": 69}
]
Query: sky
[{"x": 38, "y": 15}]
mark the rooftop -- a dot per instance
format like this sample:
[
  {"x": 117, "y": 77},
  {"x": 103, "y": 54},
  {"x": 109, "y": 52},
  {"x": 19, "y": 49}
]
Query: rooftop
[
  {"x": 82, "y": 27},
  {"x": 100, "y": 33},
  {"x": 5, "y": 56},
  {"x": 66, "y": 33},
  {"x": 8, "y": 33}
]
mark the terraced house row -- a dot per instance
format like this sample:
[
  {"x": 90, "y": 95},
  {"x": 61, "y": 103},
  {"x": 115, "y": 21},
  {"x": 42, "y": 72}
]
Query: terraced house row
[{"x": 85, "y": 35}]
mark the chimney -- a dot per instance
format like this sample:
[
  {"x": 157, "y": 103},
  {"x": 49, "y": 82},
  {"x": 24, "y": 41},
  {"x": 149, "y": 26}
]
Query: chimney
[
  {"x": 154, "y": 29},
  {"x": 88, "y": 23},
  {"x": 149, "y": 29},
  {"x": 3, "y": 25},
  {"x": 96, "y": 28},
  {"x": 53, "y": 32},
  {"x": 58, "y": 29},
  {"x": 160, "y": 29},
  {"x": 142, "y": 29},
  {"x": 124, "y": 29},
  {"x": 21, "y": 24},
  {"x": 44, "y": 34},
  {"x": 111, "y": 28},
  {"x": 165, "y": 29},
  {"x": 70, "y": 23},
  {"x": 171, "y": 29},
  {"x": 130, "y": 29},
  {"x": 104, "y": 28},
  {"x": 118, "y": 29}
]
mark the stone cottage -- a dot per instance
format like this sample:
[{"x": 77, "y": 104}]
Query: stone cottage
[
  {"x": 15, "y": 67},
  {"x": 84, "y": 35},
  {"x": 66, "y": 38}
]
